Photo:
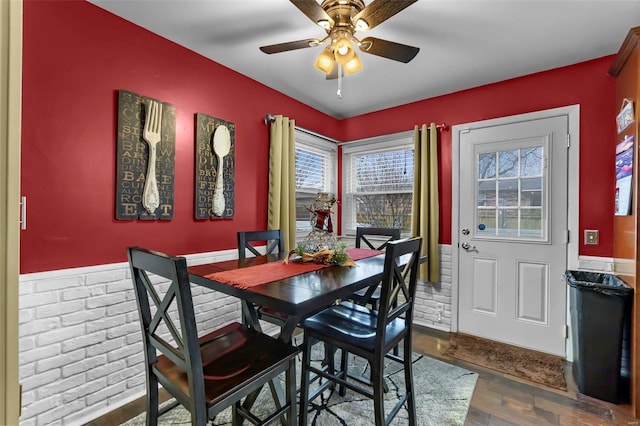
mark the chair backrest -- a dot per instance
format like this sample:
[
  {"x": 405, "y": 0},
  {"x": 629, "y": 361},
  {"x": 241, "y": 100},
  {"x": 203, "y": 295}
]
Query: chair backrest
[
  {"x": 399, "y": 280},
  {"x": 362, "y": 232},
  {"x": 177, "y": 300},
  {"x": 274, "y": 239}
]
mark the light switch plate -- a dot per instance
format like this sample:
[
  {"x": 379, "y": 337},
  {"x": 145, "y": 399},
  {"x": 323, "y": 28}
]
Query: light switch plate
[{"x": 591, "y": 237}]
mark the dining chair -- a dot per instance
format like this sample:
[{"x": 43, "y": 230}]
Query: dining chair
[
  {"x": 204, "y": 374},
  {"x": 274, "y": 239},
  {"x": 370, "y": 334},
  {"x": 363, "y": 234}
]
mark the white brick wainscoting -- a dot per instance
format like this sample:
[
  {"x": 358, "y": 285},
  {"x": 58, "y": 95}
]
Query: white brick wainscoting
[
  {"x": 80, "y": 343},
  {"x": 433, "y": 300}
]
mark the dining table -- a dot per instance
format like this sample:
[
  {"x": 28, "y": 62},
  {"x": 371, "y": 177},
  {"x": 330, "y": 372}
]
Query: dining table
[{"x": 294, "y": 288}]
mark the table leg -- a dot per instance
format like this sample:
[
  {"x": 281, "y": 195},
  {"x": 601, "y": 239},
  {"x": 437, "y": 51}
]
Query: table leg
[{"x": 250, "y": 316}]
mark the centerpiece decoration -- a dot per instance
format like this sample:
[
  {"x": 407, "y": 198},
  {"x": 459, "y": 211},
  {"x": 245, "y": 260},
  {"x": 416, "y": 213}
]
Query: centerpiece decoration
[{"x": 321, "y": 245}]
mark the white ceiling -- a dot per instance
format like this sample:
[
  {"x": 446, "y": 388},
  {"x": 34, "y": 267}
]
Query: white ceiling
[{"x": 463, "y": 43}]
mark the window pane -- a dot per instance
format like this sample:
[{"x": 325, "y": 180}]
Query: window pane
[
  {"x": 315, "y": 165},
  {"x": 508, "y": 192},
  {"x": 508, "y": 161},
  {"x": 303, "y": 216},
  {"x": 531, "y": 194},
  {"x": 487, "y": 193},
  {"x": 383, "y": 171},
  {"x": 508, "y": 222},
  {"x": 487, "y": 166},
  {"x": 309, "y": 169},
  {"x": 384, "y": 210},
  {"x": 378, "y": 179},
  {"x": 531, "y": 223},
  {"x": 531, "y": 159},
  {"x": 486, "y": 222}
]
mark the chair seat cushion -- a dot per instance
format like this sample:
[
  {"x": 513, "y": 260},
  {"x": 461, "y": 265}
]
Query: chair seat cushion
[
  {"x": 353, "y": 324},
  {"x": 231, "y": 357}
]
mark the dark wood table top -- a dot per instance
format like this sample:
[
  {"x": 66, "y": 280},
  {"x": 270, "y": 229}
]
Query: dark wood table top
[{"x": 300, "y": 295}]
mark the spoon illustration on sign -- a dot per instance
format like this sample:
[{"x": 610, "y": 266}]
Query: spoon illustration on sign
[{"x": 221, "y": 147}]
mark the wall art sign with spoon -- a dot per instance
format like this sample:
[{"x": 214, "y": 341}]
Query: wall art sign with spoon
[
  {"x": 145, "y": 158},
  {"x": 215, "y": 168}
]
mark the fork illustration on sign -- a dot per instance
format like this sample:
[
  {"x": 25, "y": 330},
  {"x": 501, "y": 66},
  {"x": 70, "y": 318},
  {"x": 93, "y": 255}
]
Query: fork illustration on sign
[{"x": 151, "y": 134}]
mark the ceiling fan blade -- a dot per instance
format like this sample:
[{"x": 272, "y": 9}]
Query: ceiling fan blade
[
  {"x": 312, "y": 9},
  {"x": 379, "y": 11},
  {"x": 388, "y": 49},
  {"x": 290, "y": 45}
]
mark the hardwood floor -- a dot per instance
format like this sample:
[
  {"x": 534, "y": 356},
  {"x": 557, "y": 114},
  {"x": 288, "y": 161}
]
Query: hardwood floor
[{"x": 498, "y": 399}]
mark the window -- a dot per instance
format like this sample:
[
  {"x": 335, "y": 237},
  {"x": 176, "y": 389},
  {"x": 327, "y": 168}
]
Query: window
[
  {"x": 378, "y": 183},
  {"x": 315, "y": 172},
  {"x": 511, "y": 193}
]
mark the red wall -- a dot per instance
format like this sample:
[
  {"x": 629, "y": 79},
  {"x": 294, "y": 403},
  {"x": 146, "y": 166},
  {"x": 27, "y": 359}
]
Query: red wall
[
  {"x": 586, "y": 84},
  {"x": 76, "y": 57}
]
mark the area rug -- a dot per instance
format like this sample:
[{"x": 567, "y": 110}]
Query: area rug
[
  {"x": 519, "y": 362},
  {"x": 443, "y": 394}
]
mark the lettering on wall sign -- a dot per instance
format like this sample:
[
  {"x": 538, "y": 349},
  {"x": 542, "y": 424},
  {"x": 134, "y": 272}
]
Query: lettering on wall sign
[
  {"x": 133, "y": 159},
  {"x": 215, "y": 168}
]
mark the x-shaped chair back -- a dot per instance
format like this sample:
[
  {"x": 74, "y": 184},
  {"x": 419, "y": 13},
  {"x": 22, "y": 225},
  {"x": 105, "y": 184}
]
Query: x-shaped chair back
[
  {"x": 274, "y": 239},
  {"x": 362, "y": 234},
  {"x": 185, "y": 351},
  {"x": 398, "y": 286}
]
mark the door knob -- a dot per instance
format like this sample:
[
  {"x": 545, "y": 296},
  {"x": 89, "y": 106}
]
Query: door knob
[{"x": 467, "y": 246}]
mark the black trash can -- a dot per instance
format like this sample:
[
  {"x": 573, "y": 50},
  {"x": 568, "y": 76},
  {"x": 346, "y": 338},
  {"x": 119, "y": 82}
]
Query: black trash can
[{"x": 600, "y": 306}]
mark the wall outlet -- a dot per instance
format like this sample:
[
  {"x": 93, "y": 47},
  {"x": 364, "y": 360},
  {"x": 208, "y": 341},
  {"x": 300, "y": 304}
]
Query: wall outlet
[{"x": 591, "y": 237}]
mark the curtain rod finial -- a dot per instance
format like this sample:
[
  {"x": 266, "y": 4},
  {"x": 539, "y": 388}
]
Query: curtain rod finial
[{"x": 269, "y": 118}]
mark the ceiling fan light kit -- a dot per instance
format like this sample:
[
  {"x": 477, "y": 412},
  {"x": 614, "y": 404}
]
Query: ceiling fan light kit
[
  {"x": 353, "y": 66},
  {"x": 341, "y": 19},
  {"x": 324, "y": 61},
  {"x": 343, "y": 50}
]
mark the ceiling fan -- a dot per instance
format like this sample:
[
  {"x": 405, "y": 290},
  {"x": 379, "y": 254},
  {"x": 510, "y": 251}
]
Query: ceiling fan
[{"x": 341, "y": 19}]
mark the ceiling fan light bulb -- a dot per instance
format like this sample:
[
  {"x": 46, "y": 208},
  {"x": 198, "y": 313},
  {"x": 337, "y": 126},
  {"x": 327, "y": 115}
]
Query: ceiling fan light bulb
[
  {"x": 361, "y": 25},
  {"x": 343, "y": 50},
  {"x": 324, "y": 61},
  {"x": 324, "y": 24},
  {"x": 353, "y": 66}
]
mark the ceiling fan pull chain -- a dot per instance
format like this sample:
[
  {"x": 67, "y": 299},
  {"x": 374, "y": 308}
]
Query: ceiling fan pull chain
[{"x": 339, "y": 81}]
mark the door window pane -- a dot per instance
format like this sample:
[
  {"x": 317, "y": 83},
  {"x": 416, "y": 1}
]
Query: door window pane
[
  {"x": 508, "y": 163},
  {"x": 531, "y": 223},
  {"x": 487, "y": 165},
  {"x": 531, "y": 161},
  {"x": 510, "y": 193},
  {"x": 531, "y": 192}
]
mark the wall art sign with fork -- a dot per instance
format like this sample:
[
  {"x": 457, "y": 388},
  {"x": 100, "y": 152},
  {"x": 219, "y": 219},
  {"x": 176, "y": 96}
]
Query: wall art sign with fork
[
  {"x": 146, "y": 158},
  {"x": 215, "y": 168}
]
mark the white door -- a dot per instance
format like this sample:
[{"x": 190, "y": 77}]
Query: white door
[{"x": 512, "y": 249}]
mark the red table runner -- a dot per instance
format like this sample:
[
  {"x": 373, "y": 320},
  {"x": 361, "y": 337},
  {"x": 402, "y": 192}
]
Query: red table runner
[{"x": 275, "y": 271}]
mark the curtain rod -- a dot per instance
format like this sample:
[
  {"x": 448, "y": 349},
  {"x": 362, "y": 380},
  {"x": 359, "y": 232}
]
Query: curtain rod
[{"x": 269, "y": 118}]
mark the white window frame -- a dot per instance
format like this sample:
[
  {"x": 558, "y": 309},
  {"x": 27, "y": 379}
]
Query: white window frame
[
  {"x": 317, "y": 143},
  {"x": 393, "y": 141}
]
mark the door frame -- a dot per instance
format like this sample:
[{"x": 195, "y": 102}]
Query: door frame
[
  {"x": 10, "y": 127},
  {"x": 573, "y": 113}
]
